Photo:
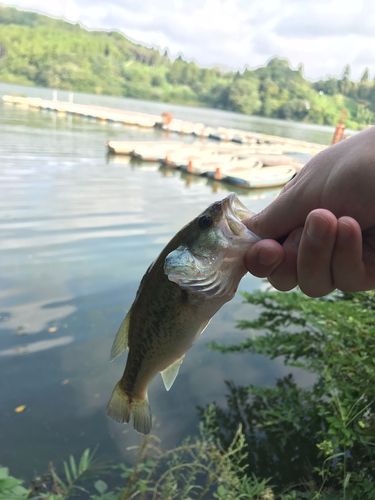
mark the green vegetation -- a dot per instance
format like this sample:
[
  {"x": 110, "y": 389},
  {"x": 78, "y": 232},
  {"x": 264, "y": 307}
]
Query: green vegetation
[
  {"x": 10, "y": 487},
  {"x": 272, "y": 443},
  {"x": 315, "y": 442},
  {"x": 198, "y": 469},
  {"x": 38, "y": 50}
]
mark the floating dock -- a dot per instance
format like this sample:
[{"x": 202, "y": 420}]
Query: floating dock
[
  {"x": 269, "y": 160},
  {"x": 258, "y": 166},
  {"x": 166, "y": 122},
  {"x": 87, "y": 111}
]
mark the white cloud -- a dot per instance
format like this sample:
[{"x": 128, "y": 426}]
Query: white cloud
[
  {"x": 324, "y": 34},
  {"x": 334, "y": 19}
]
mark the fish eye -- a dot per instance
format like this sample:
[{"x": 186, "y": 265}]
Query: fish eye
[{"x": 205, "y": 221}]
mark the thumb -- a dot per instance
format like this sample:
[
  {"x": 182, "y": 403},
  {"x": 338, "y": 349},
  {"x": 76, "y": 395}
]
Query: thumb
[{"x": 284, "y": 214}]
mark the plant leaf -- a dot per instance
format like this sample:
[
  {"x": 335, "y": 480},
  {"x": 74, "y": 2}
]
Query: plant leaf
[{"x": 101, "y": 486}]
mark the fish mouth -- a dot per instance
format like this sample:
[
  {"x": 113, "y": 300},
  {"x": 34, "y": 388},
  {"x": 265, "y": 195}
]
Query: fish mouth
[{"x": 235, "y": 213}]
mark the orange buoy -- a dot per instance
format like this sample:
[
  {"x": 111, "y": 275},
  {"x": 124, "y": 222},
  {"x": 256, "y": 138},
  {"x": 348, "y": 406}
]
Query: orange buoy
[
  {"x": 339, "y": 133},
  {"x": 167, "y": 118},
  {"x": 217, "y": 174}
]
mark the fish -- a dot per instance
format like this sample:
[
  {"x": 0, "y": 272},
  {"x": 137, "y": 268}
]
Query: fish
[{"x": 193, "y": 277}]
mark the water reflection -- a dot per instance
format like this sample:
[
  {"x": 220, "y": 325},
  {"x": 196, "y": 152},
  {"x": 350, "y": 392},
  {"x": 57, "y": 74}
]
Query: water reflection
[
  {"x": 77, "y": 232},
  {"x": 25, "y": 319},
  {"x": 189, "y": 179},
  {"x": 42, "y": 345}
]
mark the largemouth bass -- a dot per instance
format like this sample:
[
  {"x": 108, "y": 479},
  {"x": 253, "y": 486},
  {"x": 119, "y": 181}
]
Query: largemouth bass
[{"x": 196, "y": 273}]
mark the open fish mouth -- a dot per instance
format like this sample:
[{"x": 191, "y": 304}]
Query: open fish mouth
[{"x": 235, "y": 213}]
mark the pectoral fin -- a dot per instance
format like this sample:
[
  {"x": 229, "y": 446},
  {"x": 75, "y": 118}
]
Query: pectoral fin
[
  {"x": 169, "y": 374},
  {"x": 121, "y": 342}
]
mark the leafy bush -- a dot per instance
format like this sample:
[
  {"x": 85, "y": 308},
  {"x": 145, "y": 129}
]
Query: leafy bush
[{"x": 321, "y": 437}]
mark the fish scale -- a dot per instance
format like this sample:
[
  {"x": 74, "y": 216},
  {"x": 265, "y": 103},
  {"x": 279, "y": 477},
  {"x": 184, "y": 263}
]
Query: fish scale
[{"x": 195, "y": 274}]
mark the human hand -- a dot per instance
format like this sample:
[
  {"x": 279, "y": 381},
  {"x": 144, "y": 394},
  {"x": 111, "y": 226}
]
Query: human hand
[{"x": 327, "y": 215}]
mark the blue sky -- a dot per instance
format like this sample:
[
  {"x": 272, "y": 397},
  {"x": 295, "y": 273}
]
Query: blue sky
[{"x": 323, "y": 34}]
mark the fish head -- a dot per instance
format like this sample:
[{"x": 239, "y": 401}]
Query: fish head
[
  {"x": 212, "y": 248},
  {"x": 219, "y": 227}
]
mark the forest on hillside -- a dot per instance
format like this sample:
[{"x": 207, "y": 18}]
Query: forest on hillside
[{"x": 42, "y": 51}]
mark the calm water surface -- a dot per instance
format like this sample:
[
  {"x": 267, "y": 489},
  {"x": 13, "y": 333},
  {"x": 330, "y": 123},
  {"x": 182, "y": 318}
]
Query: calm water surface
[{"x": 78, "y": 230}]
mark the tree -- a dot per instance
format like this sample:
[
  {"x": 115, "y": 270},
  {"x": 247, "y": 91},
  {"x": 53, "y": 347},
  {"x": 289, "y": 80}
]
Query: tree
[
  {"x": 345, "y": 83},
  {"x": 296, "y": 109},
  {"x": 365, "y": 76},
  {"x": 300, "y": 69},
  {"x": 365, "y": 116},
  {"x": 331, "y": 86},
  {"x": 244, "y": 96},
  {"x": 176, "y": 71},
  {"x": 346, "y": 72},
  {"x": 3, "y": 50},
  {"x": 269, "y": 88}
]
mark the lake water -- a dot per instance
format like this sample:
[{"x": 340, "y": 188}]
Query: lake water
[{"x": 77, "y": 232}]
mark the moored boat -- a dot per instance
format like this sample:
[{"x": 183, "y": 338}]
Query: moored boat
[
  {"x": 200, "y": 166},
  {"x": 155, "y": 152},
  {"x": 235, "y": 168},
  {"x": 147, "y": 151},
  {"x": 120, "y": 147},
  {"x": 263, "y": 178},
  {"x": 181, "y": 157}
]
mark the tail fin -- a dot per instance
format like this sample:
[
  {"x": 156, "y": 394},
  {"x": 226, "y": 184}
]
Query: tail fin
[{"x": 120, "y": 407}]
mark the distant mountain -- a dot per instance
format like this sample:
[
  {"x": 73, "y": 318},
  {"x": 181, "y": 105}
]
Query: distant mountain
[{"x": 38, "y": 50}]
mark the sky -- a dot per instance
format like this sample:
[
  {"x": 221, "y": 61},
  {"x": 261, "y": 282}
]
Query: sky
[{"x": 324, "y": 35}]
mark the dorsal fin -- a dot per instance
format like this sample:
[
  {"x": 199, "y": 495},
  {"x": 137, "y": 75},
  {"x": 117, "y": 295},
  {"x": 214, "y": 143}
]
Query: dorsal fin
[
  {"x": 121, "y": 342},
  {"x": 169, "y": 374}
]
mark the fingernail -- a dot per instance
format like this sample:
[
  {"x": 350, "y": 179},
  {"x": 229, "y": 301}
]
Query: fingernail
[
  {"x": 317, "y": 228},
  {"x": 267, "y": 257}
]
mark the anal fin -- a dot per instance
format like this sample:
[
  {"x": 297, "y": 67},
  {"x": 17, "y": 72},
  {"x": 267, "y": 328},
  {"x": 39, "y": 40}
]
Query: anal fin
[
  {"x": 121, "y": 342},
  {"x": 169, "y": 374},
  {"x": 204, "y": 326}
]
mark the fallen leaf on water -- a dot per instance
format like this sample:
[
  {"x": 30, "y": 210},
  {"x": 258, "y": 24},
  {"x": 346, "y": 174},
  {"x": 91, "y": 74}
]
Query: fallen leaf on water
[
  {"x": 52, "y": 329},
  {"x": 64, "y": 382},
  {"x": 19, "y": 408}
]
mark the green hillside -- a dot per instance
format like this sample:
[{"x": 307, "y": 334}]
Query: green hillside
[{"x": 39, "y": 50}]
